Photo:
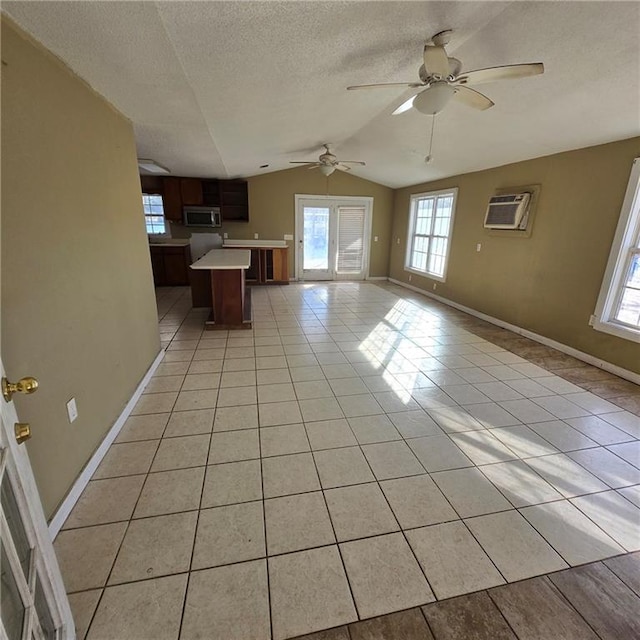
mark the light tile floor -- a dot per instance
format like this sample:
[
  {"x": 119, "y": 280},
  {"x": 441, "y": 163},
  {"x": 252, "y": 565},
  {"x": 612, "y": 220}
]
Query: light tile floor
[{"x": 361, "y": 450}]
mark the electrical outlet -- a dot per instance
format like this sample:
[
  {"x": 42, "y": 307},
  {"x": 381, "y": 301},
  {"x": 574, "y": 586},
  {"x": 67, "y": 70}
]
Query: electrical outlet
[
  {"x": 435, "y": 286},
  {"x": 478, "y": 247},
  {"x": 397, "y": 240},
  {"x": 409, "y": 277},
  {"x": 255, "y": 236},
  {"x": 288, "y": 236},
  {"x": 375, "y": 238},
  {"x": 225, "y": 235},
  {"x": 72, "y": 410}
]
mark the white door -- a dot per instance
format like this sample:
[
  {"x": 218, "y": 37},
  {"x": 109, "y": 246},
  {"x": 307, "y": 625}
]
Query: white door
[
  {"x": 333, "y": 237},
  {"x": 33, "y": 601}
]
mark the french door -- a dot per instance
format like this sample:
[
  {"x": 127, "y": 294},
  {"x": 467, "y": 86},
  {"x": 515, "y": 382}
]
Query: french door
[
  {"x": 333, "y": 236},
  {"x": 33, "y": 602}
]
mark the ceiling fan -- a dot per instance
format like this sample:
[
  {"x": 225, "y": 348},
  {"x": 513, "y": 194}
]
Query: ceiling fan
[
  {"x": 442, "y": 78},
  {"x": 328, "y": 163}
]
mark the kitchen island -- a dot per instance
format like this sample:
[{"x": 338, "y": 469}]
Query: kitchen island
[{"x": 230, "y": 300}]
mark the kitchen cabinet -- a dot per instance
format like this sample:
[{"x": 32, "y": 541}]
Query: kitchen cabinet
[
  {"x": 230, "y": 195},
  {"x": 151, "y": 184},
  {"x": 191, "y": 191},
  {"x": 172, "y": 199},
  {"x": 234, "y": 200},
  {"x": 211, "y": 193},
  {"x": 170, "y": 264},
  {"x": 269, "y": 260}
]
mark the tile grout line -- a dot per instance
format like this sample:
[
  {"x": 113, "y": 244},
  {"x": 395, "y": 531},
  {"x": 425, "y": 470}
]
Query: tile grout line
[
  {"x": 264, "y": 506},
  {"x": 197, "y": 523}
]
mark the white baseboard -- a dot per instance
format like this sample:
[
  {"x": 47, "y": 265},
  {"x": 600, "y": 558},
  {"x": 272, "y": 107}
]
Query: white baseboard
[
  {"x": 376, "y": 278},
  {"x": 83, "y": 479},
  {"x": 579, "y": 355}
]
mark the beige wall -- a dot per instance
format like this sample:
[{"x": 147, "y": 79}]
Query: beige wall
[
  {"x": 78, "y": 307},
  {"x": 548, "y": 283},
  {"x": 272, "y": 209}
]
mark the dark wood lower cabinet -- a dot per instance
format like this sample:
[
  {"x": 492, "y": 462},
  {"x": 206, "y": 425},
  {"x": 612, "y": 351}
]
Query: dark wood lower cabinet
[{"x": 170, "y": 265}]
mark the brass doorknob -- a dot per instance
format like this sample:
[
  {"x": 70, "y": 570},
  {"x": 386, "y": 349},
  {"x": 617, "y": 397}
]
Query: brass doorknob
[
  {"x": 22, "y": 431},
  {"x": 24, "y": 385}
]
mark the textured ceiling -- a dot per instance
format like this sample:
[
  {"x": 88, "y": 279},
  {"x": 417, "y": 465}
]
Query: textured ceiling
[{"x": 219, "y": 88}]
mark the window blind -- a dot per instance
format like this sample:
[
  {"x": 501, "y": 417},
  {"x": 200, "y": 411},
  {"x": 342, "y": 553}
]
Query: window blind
[{"x": 350, "y": 252}]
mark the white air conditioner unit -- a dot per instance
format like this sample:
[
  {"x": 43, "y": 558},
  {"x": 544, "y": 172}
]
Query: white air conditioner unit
[{"x": 508, "y": 211}]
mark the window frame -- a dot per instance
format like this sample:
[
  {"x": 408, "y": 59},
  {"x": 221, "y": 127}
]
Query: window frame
[
  {"x": 146, "y": 215},
  {"x": 625, "y": 243},
  {"x": 413, "y": 208}
]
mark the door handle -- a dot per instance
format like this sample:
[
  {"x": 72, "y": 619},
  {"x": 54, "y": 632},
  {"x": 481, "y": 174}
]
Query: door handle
[{"x": 24, "y": 385}]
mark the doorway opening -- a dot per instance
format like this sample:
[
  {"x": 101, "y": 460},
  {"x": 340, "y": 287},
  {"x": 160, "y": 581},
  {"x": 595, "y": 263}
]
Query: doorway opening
[{"x": 333, "y": 236}]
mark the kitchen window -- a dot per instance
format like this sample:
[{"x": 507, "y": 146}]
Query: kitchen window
[
  {"x": 618, "y": 308},
  {"x": 430, "y": 224},
  {"x": 154, "y": 214}
]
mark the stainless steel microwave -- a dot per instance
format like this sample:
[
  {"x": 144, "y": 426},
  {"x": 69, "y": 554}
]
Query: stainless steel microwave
[{"x": 202, "y": 216}]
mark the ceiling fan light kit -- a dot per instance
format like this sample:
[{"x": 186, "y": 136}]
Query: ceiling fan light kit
[
  {"x": 326, "y": 169},
  {"x": 435, "y": 100}
]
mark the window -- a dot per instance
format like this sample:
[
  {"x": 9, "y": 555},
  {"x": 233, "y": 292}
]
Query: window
[
  {"x": 618, "y": 307},
  {"x": 430, "y": 224},
  {"x": 154, "y": 214}
]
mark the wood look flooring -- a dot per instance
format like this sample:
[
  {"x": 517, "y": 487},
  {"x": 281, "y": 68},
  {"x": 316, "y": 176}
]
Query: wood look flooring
[{"x": 594, "y": 601}]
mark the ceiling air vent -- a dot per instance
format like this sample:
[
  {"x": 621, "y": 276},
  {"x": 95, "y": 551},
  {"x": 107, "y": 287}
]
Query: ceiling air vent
[{"x": 508, "y": 211}]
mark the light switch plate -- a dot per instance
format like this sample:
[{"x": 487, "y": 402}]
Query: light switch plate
[
  {"x": 288, "y": 236},
  {"x": 72, "y": 410},
  {"x": 255, "y": 236}
]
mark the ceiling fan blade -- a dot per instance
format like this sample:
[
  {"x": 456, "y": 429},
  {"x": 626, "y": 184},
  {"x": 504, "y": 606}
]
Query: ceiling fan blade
[
  {"x": 364, "y": 164},
  {"x": 405, "y": 106},
  {"x": 511, "y": 71},
  {"x": 436, "y": 60},
  {"x": 472, "y": 98},
  {"x": 310, "y": 163},
  {"x": 342, "y": 167},
  {"x": 384, "y": 84}
]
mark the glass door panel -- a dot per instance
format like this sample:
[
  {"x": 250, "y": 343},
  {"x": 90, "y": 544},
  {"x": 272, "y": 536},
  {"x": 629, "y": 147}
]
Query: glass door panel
[
  {"x": 18, "y": 534},
  {"x": 11, "y": 605},
  {"x": 316, "y": 243}
]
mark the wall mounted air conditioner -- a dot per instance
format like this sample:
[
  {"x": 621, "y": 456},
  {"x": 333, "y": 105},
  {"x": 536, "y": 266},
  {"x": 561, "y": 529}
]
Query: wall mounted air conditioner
[{"x": 508, "y": 211}]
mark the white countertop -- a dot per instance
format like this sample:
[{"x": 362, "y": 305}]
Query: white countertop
[
  {"x": 261, "y": 244},
  {"x": 169, "y": 243},
  {"x": 224, "y": 259}
]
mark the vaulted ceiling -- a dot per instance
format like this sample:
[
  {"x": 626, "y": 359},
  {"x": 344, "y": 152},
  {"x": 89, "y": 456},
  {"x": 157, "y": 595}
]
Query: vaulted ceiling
[{"x": 219, "y": 88}]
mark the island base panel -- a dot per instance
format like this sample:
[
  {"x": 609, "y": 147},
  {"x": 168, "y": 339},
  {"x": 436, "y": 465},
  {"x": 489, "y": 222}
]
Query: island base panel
[{"x": 231, "y": 308}]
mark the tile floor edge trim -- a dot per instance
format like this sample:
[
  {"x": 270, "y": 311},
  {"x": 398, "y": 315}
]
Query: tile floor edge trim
[
  {"x": 580, "y": 355},
  {"x": 63, "y": 511}
]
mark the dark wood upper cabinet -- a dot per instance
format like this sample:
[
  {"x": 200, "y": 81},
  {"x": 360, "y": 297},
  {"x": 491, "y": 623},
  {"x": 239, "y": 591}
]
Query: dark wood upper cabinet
[
  {"x": 230, "y": 195},
  {"x": 191, "y": 190},
  {"x": 234, "y": 200},
  {"x": 152, "y": 184},
  {"x": 211, "y": 193},
  {"x": 172, "y": 199}
]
